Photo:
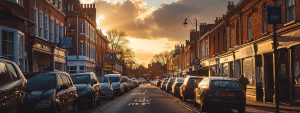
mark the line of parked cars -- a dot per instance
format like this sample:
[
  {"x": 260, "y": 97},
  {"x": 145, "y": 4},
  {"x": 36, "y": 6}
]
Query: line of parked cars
[
  {"x": 207, "y": 93},
  {"x": 56, "y": 92}
]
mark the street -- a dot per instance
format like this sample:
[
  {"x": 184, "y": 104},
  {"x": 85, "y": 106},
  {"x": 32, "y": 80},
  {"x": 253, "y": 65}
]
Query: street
[{"x": 150, "y": 99}]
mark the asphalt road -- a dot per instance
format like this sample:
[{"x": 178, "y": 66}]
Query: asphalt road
[{"x": 149, "y": 99}]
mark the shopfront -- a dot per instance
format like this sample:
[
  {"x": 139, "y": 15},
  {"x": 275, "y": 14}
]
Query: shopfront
[{"x": 42, "y": 56}]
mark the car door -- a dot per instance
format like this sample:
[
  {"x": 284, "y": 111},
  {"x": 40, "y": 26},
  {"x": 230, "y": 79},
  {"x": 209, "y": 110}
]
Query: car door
[{"x": 10, "y": 88}]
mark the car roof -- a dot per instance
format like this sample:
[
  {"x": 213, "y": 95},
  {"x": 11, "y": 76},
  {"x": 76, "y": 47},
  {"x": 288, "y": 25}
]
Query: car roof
[
  {"x": 52, "y": 72},
  {"x": 83, "y": 73},
  {"x": 220, "y": 78},
  {"x": 116, "y": 75}
]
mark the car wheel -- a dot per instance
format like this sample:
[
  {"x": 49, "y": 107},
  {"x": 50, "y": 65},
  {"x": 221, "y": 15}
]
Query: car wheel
[
  {"x": 241, "y": 110},
  {"x": 75, "y": 108},
  {"x": 57, "y": 109},
  {"x": 203, "y": 107},
  {"x": 93, "y": 102}
]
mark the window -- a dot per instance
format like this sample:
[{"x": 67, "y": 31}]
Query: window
[
  {"x": 57, "y": 32},
  {"x": 248, "y": 70},
  {"x": 66, "y": 80},
  {"x": 41, "y": 23},
  {"x": 249, "y": 28},
  {"x": 61, "y": 32},
  {"x": 20, "y": 2},
  {"x": 265, "y": 25},
  {"x": 290, "y": 10},
  {"x": 72, "y": 69},
  {"x": 21, "y": 50},
  {"x": 296, "y": 67},
  {"x": 219, "y": 39},
  {"x": 56, "y": 3},
  {"x": 81, "y": 69},
  {"x": 81, "y": 29},
  {"x": 36, "y": 20},
  {"x": 8, "y": 44},
  {"x": 215, "y": 45},
  {"x": 52, "y": 30},
  {"x": 225, "y": 40},
  {"x": 238, "y": 27},
  {"x": 70, "y": 7},
  {"x": 81, "y": 48},
  {"x": 230, "y": 35},
  {"x": 4, "y": 75},
  {"x": 46, "y": 28},
  {"x": 60, "y": 4}
]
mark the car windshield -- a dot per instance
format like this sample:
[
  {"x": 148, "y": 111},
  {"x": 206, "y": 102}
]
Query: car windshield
[
  {"x": 103, "y": 79},
  {"x": 114, "y": 78},
  {"x": 81, "y": 79},
  {"x": 225, "y": 84},
  {"x": 41, "y": 82}
]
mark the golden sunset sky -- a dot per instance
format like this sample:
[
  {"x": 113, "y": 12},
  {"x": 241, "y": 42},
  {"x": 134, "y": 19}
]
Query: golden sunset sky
[{"x": 153, "y": 26}]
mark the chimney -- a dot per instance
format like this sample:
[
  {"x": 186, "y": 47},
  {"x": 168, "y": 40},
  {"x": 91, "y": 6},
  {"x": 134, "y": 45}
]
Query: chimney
[
  {"x": 94, "y": 6},
  {"x": 230, "y": 6}
]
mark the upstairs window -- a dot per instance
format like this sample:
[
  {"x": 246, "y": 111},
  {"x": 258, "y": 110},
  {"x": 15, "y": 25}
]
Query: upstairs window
[
  {"x": 249, "y": 29},
  {"x": 70, "y": 7},
  {"x": 290, "y": 10},
  {"x": 81, "y": 29},
  {"x": 20, "y": 2}
]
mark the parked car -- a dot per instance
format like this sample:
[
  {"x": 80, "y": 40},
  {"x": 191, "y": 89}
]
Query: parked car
[
  {"x": 51, "y": 92},
  {"x": 106, "y": 87},
  {"x": 176, "y": 86},
  {"x": 124, "y": 84},
  {"x": 220, "y": 92},
  {"x": 158, "y": 83},
  {"x": 88, "y": 88},
  {"x": 169, "y": 84},
  {"x": 163, "y": 84},
  {"x": 131, "y": 84},
  {"x": 188, "y": 86},
  {"x": 115, "y": 80},
  {"x": 12, "y": 86}
]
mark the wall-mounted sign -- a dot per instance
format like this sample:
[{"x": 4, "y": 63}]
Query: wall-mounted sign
[{"x": 273, "y": 14}]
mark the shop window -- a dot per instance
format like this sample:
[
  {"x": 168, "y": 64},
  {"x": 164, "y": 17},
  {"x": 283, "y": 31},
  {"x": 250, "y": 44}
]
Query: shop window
[
  {"x": 21, "y": 51},
  {"x": 72, "y": 69},
  {"x": 297, "y": 65},
  {"x": 8, "y": 44},
  {"x": 248, "y": 70},
  {"x": 81, "y": 69}
]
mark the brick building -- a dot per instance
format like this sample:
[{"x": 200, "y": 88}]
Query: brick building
[
  {"x": 44, "y": 52},
  {"x": 89, "y": 44},
  {"x": 240, "y": 42},
  {"x": 14, "y": 26}
]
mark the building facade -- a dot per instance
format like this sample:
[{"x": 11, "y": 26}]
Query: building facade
[
  {"x": 14, "y": 26},
  {"x": 240, "y": 43}
]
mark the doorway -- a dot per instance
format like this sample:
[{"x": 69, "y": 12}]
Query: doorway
[{"x": 268, "y": 77}]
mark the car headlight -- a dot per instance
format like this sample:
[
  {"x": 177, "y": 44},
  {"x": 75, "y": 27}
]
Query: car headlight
[{"x": 45, "y": 103}]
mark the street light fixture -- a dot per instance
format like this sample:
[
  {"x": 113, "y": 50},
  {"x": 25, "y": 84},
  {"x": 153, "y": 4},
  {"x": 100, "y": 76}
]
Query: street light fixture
[{"x": 187, "y": 21}]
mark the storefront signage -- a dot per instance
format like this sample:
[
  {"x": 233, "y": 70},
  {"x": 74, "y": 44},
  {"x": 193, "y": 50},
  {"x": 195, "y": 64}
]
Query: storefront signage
[
  {"x": 42, "y": 47},
  {"x": 245, "y": 52}
]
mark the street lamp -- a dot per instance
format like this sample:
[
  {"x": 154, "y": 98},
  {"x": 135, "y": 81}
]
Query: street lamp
[{"x": 187, "y": 21}]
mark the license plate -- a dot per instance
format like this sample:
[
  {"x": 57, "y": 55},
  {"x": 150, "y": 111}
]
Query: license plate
[{"x": 227, "y": 94}]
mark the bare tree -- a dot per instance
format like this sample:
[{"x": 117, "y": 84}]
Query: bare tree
[{"x": 161, "y": 57}]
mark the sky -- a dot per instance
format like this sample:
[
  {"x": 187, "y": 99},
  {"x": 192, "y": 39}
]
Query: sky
[{"x": 153, "y": 26}]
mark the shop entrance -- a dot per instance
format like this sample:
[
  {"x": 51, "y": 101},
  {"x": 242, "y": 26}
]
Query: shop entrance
[
  {"x": 268, "y": 77},
  {"x": 283, "y": 76}
]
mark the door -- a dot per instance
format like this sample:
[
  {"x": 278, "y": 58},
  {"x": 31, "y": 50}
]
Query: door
[
  {"x": 268, "y": 78},
  {"x": 283, "y": 76}
]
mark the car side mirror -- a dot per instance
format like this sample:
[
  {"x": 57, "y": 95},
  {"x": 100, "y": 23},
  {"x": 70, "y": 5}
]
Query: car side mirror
[{"x": 63, "y": 87}]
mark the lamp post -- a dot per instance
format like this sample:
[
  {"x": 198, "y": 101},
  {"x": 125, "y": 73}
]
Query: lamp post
[
  {"x": 187, "y": 21},
  {"x": 274, "y": 18}
]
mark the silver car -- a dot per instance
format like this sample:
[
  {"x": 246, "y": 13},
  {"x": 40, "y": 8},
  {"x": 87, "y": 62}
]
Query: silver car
[{"x": 106, "y": 87}]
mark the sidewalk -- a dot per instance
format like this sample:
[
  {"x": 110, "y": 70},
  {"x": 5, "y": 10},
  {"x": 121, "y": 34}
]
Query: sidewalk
[{"x": 272, "y": 105}]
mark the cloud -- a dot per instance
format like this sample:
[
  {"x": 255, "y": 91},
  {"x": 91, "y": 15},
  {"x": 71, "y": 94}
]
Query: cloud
[{"x": 142, "y": 21}]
